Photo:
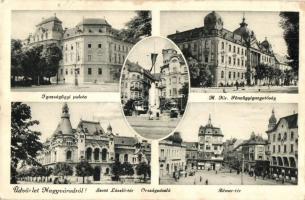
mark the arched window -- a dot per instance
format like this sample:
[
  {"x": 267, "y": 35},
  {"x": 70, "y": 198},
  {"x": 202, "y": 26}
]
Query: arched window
[
  {"x": 96, "y": 154},
  {"x": 89, "y": 154},
  {"x": 107, "y": 171},
  {"x": 222, "y": 74},
  {"x": 126, "y": 158},
  {"x": 140, "y": 157},
  {"x": 229, "y": 74},
  {"x": 69, "y": 155},
  {"x": 104, "y": 154}
]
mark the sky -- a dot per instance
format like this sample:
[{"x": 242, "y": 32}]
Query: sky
[
  {"x": 24, "y": 22},
  {"x": 48, "y": 114},
  {"x": 264, "y": 24},
  {"x": 142, "y": 50},
  {"x": 237, "y": 120}
]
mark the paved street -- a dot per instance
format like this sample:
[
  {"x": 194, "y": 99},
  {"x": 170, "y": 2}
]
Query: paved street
[
  {"x": 255, "y": 89},
  {"x": 105, "y": 87},
  {"x": 221, "y": 178},
  {"x": 152, "y": 129}
]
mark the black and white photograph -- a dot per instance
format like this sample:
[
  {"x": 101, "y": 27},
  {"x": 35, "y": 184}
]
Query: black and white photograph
[
  {"x": 154, "y": 87},
  {"x": 75, "y": 143},
  {"x": 256, "y": 146},
  {"x": 228, "y": 51},
  {"x": 78, "y": 51}
]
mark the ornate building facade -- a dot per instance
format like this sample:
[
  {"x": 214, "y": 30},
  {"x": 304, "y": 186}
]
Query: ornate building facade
[
  {"x": 283, "y": 146},
  {"x": 210, "y": 147},
  {"x": 93, "y": 51},
  {"x": 232, "y": 56},
  {"x": 88, "y": 141}
]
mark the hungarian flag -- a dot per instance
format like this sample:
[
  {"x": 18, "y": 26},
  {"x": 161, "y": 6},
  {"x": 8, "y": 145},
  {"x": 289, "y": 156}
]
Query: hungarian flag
[{"x": 153, "y": 57}]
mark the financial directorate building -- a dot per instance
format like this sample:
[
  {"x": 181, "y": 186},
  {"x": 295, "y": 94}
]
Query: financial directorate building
[
  {"x": 88, "y": 141},
  {"x": 92, "y": 49},
  {"x": 231, "y": 55}
]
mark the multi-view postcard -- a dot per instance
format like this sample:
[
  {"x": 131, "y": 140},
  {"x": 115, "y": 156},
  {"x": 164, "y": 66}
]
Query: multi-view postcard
[{"x": 180, "y": 100}]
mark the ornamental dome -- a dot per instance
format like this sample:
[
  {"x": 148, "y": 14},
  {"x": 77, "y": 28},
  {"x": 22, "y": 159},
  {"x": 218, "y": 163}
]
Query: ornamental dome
[
  {"x": 244, "y": 31},
  {"x": 272, "y": 119},
  {"x": 266, "y": 44},
  {"x": 213, "y": 21}
]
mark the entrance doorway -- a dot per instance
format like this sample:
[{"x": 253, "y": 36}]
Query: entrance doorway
[{"x": 97, "y": 174}]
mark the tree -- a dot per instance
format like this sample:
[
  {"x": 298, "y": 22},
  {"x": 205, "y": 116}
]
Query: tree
[
  {"x": 184, "y": 91},
  {"x": 143, "y": 169},
  {"x": 51, "y": 55},
  {"x": 116, "y": 170},
  {"x": 16, "y": 58},
  {"x": 200, "y": 73},
  {"x": 127, "y": 169},
  {"x": 138, "y": 27},
  {"x": 290, "y": 24},
  {"x": 25, "y": 143},
  {"x": 84, "y": 169},
  {"x": 62, "y": 169},
  {"x": 129, "y": 107}
]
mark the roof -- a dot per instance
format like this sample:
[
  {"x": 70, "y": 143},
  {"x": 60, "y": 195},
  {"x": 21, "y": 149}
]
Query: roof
[
  {"x": 124, "y": 141},
  {"x": 93, "y": 21},
  {"x": 90, "y": 127},
  {"x": 53, "y": 18},
  {"x": 135, "y": 67},
  {"x": 281, "y": 59},
  {"x": 292, "y": 121},
  {"x": 191, "y": 145}
]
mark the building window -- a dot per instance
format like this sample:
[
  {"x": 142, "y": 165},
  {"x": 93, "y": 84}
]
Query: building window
[
  {"x": 292, "y": 135},
  {"x": 89, "y": 57},
  {"x": 274, "y": 137},
  {"x": 279, "y": 137},
  {"x": 96, "y": 154},
  {"x": 215, "y": 148},
  {"x": 126, "y": 158},
  {"x": 222, "y": 74},
  {"x": 89, "y": 153},
  {"x": 242, "y": 51},
  {"x": 234, "y": 50},
  {"x": 68, "y": 155},
  {"x": 99, "y": 71},
  {"x": 222, "y": 45},
  {"x": 99, "y": 46},
  {"x": 104, "y": 154},
  {"x": 238, "y": 75},
  {"x": 285, "y": 150},
  {"x": 206, "y": 59},
  {"x": 234, "y": 74},
  {"x": 291, "y": 148},
  {"x": 61, "y": 71},
  {"x": 89, "y": 71},
  {"x": 237, "y": 50},
  {"x": 229, "y": 74},
  {"x": 234, "y": 61},
  {"x": 242, "y": 63},
  {"x": 89, "y": 46},
  {"x": 279, "y": 148},
  {"x": 229, "y": 60},
  {"x": 71, "y": 47},
  {"x": 222, "y": 59},
  {"x": 66, "y": 71},
  {"x": 273, "y": 150},
  {"x": 238, "y": 62},
  {"x": 229, "y": 48}
]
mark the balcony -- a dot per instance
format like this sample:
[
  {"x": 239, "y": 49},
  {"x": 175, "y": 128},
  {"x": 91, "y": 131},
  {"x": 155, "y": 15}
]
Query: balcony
[{"x": 162, "y": 159}]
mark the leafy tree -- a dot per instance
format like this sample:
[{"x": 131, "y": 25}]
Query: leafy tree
[
  {"x": 129, "y": 107},
  {"x": 143, "y": 169},
  {"x": 51, "y": 55},
  {"x": 62, "y": 169},
  {"x": 84, "y": 169},
  {"x": 117, "y": 169},
  {"x": 16, "y": 58},
  {"x": 260, "y": 72},
  {"x": 127, "y": 169},
  {"x": 33, "y": 64},
  {"x": 200, "y": 73},
  {"x": 290, "y": 24},
  {"x": 138, "y": 27},
  {"x": 185, "y": 92},
  {"x": 25, "y": 142}
]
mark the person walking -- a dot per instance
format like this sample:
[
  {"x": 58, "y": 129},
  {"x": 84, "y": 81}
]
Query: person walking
[
  {"x": 207, "y": 182},
  {"x": 200, "y": 179}
]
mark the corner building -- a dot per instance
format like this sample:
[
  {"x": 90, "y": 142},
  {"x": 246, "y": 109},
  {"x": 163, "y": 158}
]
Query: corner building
[
  {"x": 88, "y": 141},
  {"x": 283, "y": 146},
  {"x": 231, "y": 55},
  {"x": 93, "y": 51}
]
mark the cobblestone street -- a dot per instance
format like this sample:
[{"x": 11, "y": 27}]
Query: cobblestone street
[{"x": 221, "y": 178}]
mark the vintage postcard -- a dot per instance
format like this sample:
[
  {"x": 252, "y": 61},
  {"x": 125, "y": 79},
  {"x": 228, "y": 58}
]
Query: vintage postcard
[{"x": 152, "y": 99}]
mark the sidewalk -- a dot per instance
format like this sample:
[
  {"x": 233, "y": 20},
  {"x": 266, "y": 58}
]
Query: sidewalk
[{"x": 247, "y": 89}]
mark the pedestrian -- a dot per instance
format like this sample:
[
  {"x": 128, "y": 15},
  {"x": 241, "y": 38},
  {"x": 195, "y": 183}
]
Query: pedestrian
[
  {"x": 216, "y": 171},
  {"x": 200, "y": 179},
  {"x": 207, "y": 182},
  {"x": 195, "y": 181}
]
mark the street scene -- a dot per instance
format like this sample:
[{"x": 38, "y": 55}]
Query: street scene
[
  {"x": 73, "y": 51},
  {"x": 154, "y": 87},
  {"x": 257, "y": 146},
  {"x": 237, "y": 51},
  {"x": 70, "y": 146}
]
